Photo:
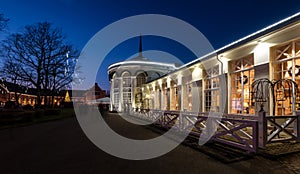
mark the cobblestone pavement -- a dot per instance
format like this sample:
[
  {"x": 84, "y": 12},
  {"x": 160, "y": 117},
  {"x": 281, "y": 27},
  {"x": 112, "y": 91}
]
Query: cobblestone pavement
[
  {"x": 291, "y": 161},
  {"x": 288, "y": 154}
]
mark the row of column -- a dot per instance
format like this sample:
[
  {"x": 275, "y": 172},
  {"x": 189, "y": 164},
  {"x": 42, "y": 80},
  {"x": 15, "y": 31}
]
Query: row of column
[{"x": 172, "y": 96}]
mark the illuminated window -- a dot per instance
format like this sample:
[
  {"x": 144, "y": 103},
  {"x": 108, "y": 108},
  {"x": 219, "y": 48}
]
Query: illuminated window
[
  {"x": 211, "y": 90},
  {"x": 242, "y": 76},
  {"x": 126, "y": 80},
  {"x": 286, "y": 65}
]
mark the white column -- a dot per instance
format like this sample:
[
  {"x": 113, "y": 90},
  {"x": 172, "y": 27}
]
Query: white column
[
  {"x": 133, "y": 86},
  {"x": 158, "y": 99},
  {"x": 184, "y": 97},
  {"x": 112, "y": 84},
  {"x": 180, "y": 92},
  {"x": 195, "y": 98},
  {"x": 121, "y": 94}
]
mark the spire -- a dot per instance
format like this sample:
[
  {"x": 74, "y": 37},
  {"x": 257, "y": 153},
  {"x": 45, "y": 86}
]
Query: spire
[
  {"x": 140, "y": 56},
  {"x": 140, "y": 47}
]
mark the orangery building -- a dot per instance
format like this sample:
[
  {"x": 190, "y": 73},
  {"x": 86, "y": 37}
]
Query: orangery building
[{"x": 271, "y": 53}]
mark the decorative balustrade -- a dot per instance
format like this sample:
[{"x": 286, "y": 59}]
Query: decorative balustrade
[
  {"x": 273, "y": 129},
  {"x": 246, "y": 132}
]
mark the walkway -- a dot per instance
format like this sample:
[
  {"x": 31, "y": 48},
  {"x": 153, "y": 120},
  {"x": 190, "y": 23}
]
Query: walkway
[{"x": 61, "y": 147}]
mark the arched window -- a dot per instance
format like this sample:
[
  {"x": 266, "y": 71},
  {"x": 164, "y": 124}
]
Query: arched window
[
  {"x": 140, "y": 79},
  {"x": 126, "y": 79}
]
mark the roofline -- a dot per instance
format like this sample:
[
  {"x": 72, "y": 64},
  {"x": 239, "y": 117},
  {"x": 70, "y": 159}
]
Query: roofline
[
  {"x": 5, "y": 88},
  {"x": 262, "y": 32},
  {"x": 142, "y": 63}
]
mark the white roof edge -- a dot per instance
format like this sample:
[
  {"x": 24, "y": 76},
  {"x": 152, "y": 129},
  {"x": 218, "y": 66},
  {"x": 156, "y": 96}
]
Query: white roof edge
[
  {"x": 241, "y": 40},
  {"x": 143, "y": 62}
]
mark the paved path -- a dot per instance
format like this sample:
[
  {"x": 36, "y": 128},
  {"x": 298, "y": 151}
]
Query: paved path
[{"x": 61, "y": 147}]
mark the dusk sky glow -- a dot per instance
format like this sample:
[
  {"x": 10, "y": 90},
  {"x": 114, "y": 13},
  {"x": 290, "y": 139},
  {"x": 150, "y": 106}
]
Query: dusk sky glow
[{"x": 220, "y": 21}]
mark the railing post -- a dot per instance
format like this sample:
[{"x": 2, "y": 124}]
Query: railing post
[
  {"x": 297, "y": 126},
  {"x": 180, "y": 121},
  {"x": 262, "y": 129}
]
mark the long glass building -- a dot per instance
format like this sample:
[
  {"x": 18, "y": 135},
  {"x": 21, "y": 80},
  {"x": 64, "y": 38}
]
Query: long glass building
[{"x": 271, "y": 53}]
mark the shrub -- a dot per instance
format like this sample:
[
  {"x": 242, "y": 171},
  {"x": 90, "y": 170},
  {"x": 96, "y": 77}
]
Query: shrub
[
  {"x": 52, "y": 111},
  {"x": 28, "y": 116},
  {"x": 39, "y": 113},
  {"x": 27, "y": 107},
  {"x": 11, "y": 105},
  {"x": 67, "y": 104}
]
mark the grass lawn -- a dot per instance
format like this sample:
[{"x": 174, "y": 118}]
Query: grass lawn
[{"x": 35, "y": 117}]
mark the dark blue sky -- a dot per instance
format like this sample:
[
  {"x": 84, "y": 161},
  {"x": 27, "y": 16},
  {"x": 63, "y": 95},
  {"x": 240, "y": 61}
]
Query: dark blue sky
[{"x": 220, "y": 21}]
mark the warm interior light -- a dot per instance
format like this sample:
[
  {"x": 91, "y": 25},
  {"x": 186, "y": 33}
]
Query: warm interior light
[
  {"x": 286, "y": 55},
  {"x": 286, "y": 75},
  {"x": 296, "y": 70},
  {"x": 289, "y": 64}
]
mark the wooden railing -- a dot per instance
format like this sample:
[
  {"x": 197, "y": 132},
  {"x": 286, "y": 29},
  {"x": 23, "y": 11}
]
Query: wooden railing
[
  {"x": 239, "y": 133},
  {"x": 246, "y": 132},
  {"x": 273, "y": 129}
]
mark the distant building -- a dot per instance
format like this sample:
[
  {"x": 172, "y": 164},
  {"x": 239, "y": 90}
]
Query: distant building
[
  {"x": 94, "y": 93},
  {"x": 13, "y": 92},
  {"x": 28, "y": 96}
]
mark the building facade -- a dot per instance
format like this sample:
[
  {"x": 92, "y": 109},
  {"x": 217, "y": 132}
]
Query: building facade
[
  {"x": 128, "y": 78},
  {"x": 272, "y": 53},
  {"x": 94, "y": 93},
  {"x": 13, "y": 92},
  {"x": 28, "y": 96}
]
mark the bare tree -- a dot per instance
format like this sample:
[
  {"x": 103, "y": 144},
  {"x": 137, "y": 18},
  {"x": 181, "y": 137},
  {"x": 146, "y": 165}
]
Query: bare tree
[
  {"x": 42, "y": 57},
  {"x": 9, "y": 73},
  {"x": 3, "y": 22}
]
